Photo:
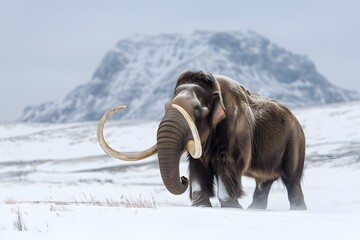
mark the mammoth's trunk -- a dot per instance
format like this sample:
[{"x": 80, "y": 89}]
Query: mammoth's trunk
[{"x": 172, "y": 136}]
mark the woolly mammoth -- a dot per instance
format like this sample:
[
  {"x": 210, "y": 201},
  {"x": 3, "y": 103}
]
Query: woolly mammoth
[{"x": 228, "y": 132}]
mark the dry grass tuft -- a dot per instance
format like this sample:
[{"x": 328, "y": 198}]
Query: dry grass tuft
[
  {"x": 58, "y": 208},
  {"x": 10, "y": 201},
  {"x": 139, "y": 203},
  {"x": 19, "y": 223},
  {"x": 127, "y": 202}
]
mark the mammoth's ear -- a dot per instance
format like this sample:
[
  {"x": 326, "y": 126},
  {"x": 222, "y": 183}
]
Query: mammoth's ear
[{"x": 218, "y": 113}]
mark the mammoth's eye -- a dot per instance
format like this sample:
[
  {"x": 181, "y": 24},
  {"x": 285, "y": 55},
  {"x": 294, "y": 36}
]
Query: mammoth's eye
[{"x": 197, "y": 110}]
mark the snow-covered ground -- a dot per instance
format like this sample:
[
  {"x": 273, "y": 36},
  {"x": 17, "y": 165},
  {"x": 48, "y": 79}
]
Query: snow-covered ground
[{"x": 61, "y": 184}]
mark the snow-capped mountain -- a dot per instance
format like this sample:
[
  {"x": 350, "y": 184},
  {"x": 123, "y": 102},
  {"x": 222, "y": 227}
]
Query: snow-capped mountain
[{"x": 141, "y": 72}]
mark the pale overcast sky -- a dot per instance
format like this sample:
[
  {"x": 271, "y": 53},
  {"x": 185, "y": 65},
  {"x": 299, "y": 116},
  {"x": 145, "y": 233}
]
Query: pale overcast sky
[{"x": 47, "y": 48}]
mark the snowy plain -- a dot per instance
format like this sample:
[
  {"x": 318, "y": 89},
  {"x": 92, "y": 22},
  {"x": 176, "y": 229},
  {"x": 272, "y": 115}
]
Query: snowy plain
[{"x": 61, "y": 184}]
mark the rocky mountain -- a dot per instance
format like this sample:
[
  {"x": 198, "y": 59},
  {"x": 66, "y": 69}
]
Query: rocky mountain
[{"x": 141, "y": 72}]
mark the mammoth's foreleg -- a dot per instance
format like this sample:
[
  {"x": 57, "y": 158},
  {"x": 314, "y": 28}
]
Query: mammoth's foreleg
[
  {"x": 229, "y": 184},
  {"x": 201, "y": 183},
  {"x": 225, "y": 198}
]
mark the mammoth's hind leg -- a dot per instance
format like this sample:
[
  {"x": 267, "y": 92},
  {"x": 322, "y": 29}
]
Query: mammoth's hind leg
[
  {"x": 201, "y": 183},
  {"x": 293, "y": 166},
  {"x": 295, "y": 194},
  {"x": 261, "y": 193}
]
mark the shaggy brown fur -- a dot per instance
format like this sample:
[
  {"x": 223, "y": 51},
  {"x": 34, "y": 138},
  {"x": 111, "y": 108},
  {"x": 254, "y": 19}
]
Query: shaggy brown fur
[{"x": 249, "y": 135}]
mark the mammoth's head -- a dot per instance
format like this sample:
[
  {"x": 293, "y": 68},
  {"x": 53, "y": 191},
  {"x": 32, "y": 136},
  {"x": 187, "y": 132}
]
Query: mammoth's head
[
  {"x": 198, "y": 97},
  {"x": 195, "y": 108}
]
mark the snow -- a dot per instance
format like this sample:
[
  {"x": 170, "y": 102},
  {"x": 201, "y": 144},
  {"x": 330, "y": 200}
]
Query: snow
[
  {"x": 23, "y": 142},
  {"x": 55, "y": 176}
]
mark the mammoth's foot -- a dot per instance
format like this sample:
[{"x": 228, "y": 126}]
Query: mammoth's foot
[
  {"x": 200, "y": 199},
  {"x": 201, "y": 204},
  {"x": 258, "y": 205},
  {"x": 230, "y": 203},
  {"x": 298, "y": 206}
]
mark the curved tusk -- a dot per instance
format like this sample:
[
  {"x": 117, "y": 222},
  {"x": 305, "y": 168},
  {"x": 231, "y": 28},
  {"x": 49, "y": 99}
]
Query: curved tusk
[
  {"x": 127, "y": 156},
  {"x": 193, "y": 146}
]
